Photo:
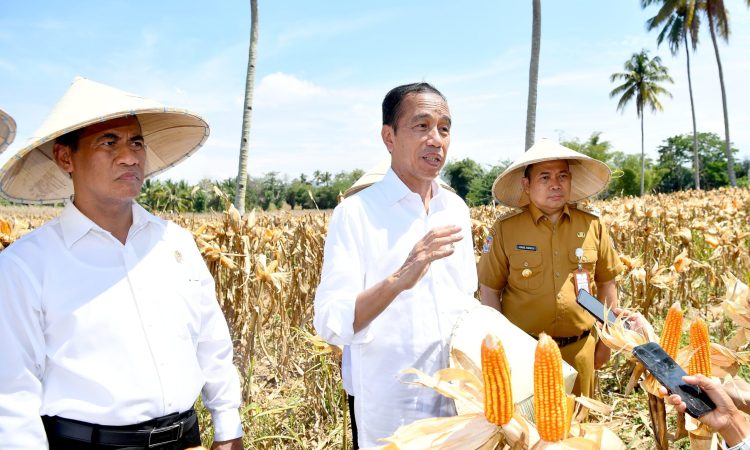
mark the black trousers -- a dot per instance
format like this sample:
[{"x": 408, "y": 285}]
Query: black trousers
[
  {"x": 191, "y": 436},
  {"x": 353, "y": 421}
]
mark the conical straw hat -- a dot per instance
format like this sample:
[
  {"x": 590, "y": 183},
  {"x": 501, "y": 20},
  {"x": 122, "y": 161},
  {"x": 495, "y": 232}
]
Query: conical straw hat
[
  {"x": 7, "y": 130},
  {"x": 376, "y": 174},
  {"x": 588, "y": 175},
  {"x": 171, "y": 135}
]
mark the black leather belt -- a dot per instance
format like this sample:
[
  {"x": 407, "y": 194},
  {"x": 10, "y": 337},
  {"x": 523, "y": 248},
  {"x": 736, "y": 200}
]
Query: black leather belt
[
  {"x": 563, "y": 341},
  {"x": 143, "y": 435}
]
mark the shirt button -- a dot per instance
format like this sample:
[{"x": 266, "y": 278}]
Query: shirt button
[
  {"x": 525, "y": 264},
  {"x": 557, "y": 274},
  {"x": 559, "y": 296},
  {"x": 556, "y": 252}
]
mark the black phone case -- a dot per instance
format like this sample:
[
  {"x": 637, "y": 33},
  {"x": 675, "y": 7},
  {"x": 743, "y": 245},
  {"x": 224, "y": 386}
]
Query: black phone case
[
  {"x": 670, "y": 374},
  {"x": 594, "y": 307}
]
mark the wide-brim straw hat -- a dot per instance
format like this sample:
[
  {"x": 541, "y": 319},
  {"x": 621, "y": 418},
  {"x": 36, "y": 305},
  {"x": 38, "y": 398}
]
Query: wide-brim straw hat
[
  {"x": 170, "y": 134},
  {"x": 588, "y": 175},
  {"x": 376, "y": 174},
  {"x": 7, "y": 130}
]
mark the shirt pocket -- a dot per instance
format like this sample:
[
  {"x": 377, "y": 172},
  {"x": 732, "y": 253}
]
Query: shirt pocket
[
  {"x": 530, "y": 264},
  {"x": 184, "y": 303},
  {"x": 588, "y": 260}
]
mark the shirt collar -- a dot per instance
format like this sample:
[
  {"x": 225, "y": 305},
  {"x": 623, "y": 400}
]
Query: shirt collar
[
  {"x": 537, "y": 214},
  {"x": 75, "y": 224},
  {"x": 395, "y": 189}
]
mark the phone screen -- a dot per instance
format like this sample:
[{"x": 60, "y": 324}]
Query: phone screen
[
  {"x": 595, "y": 307},
  {"x": 670, "y": 374}
]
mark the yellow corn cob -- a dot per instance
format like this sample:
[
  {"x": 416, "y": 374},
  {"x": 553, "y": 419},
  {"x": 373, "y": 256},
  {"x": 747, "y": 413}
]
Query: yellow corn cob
[
  {"x": 670, "y": 334},
  {"x": 549, "y": 391},
  {"x": 700, "y": 359},
  {"x": 498, "y": 398}
]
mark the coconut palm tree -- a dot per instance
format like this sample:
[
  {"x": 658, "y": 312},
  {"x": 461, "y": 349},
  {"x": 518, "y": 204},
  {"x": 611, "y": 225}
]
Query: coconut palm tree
[
  {"x": 641, "y": 80},
  {"x": 678, "y": 21},
  {"x": 718, "y": 22},
  {"x": 536, "y": 37},
  {"x": 247, "y": 115}
]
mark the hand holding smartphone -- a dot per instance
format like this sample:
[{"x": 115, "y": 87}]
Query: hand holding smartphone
[{"x": 670, "y": 374}]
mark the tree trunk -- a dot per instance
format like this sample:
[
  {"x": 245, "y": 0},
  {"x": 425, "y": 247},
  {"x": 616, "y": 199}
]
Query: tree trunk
[
  {"x": 247, "y": 115},
  {"x": 643, "y": 159},
  {"x": 536, "y": 38},
  {"x": 728, "y": 147},
  {"x": 696, "y": 158}
]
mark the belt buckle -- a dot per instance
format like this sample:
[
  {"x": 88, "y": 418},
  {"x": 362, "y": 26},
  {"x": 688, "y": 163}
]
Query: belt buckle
[{"x": 154, "y": 438}]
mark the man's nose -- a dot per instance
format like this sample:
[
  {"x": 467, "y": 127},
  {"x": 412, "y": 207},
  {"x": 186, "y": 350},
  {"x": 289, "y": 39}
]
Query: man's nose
[
  {"x": 436, "y": 139},
  {"x": 129, "y": 156}
]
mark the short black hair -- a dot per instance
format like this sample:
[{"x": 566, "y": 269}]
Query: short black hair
[
  {"x": 394, "y": 98},
  {"x": 70, "y": 139}
]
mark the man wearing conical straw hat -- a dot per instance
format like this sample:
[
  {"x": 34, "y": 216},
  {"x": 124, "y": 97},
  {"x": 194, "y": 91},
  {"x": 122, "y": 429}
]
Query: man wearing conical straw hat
[
  {"x": 536, "y": 258},
  {"x": 109, "y": 321}
]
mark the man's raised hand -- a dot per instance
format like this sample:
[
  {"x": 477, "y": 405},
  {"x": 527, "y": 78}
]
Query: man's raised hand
[{"x": 436, "y": 244}]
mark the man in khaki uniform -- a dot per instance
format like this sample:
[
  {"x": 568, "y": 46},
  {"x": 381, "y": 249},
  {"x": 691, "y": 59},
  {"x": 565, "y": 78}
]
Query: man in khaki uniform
[{"x": 529, "y": 258}]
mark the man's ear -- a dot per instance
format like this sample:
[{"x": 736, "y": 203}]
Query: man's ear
[
  {"x": 387, "y": 134},
  {"x": 63, "y": 159},
  {"x": 525, "y": 184}
]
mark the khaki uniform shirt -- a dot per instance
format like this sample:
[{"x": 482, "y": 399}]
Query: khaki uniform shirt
[{"x": 545, "y": 299}]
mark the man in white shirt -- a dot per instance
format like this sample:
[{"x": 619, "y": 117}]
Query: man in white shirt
[
  {"x": 399, "y": 269},
  {"x": 109, "y": 320}
]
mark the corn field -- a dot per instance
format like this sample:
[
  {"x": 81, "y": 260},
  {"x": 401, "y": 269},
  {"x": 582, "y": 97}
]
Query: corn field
[{"x": 266, "y": 266}]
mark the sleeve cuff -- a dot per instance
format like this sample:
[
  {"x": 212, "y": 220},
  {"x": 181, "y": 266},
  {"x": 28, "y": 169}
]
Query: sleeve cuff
[
  {"x": 227, "y": 425},
  {"x": 609, "y": 274},
  {"x": 336, "y": 325}
]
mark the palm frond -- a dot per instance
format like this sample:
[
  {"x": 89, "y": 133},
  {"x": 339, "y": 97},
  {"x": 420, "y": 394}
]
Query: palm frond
[{"x": 641, "y": 81}]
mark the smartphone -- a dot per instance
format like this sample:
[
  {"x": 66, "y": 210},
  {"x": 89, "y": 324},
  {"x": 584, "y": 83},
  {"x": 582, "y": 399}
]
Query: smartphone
[
  {"x": 595, "y": 307},
  {"x": 670, "y": 374}
]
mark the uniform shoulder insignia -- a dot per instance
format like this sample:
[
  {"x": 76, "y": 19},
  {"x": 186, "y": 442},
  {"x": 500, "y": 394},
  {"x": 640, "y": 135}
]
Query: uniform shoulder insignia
[
  {"x": 589, "y": 209},
  {"x": 510, "y": 213}
]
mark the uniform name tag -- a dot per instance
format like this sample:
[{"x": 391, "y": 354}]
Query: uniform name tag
[{"x": 526, "y": 247}]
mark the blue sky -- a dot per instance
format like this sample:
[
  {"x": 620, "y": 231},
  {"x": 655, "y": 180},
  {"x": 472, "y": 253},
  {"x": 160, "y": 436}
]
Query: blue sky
[{"x": 324, "y": 66}]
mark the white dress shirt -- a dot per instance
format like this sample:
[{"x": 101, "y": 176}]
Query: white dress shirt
[
  {"x": 744, "y": 445},
  {"x": 369, "y": 237},
  {"x": 106, "y": 333}
]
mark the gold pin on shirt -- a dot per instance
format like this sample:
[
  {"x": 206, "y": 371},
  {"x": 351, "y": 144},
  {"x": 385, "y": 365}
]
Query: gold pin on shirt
[{"x": 526, "y": 273}]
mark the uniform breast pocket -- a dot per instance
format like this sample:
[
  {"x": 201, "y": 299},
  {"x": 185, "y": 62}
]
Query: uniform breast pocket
[
  {"x": 588, "y": 260},
  {"x": 526, "y": 270}
]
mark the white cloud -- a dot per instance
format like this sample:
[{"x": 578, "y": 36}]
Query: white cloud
[{"x": 279, "y": 90}]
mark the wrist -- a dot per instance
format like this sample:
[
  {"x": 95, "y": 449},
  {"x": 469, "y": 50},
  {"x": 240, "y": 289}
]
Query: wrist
[
  {"x": 394, "y": 284},
  {"x": 736, "y": 429}
]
